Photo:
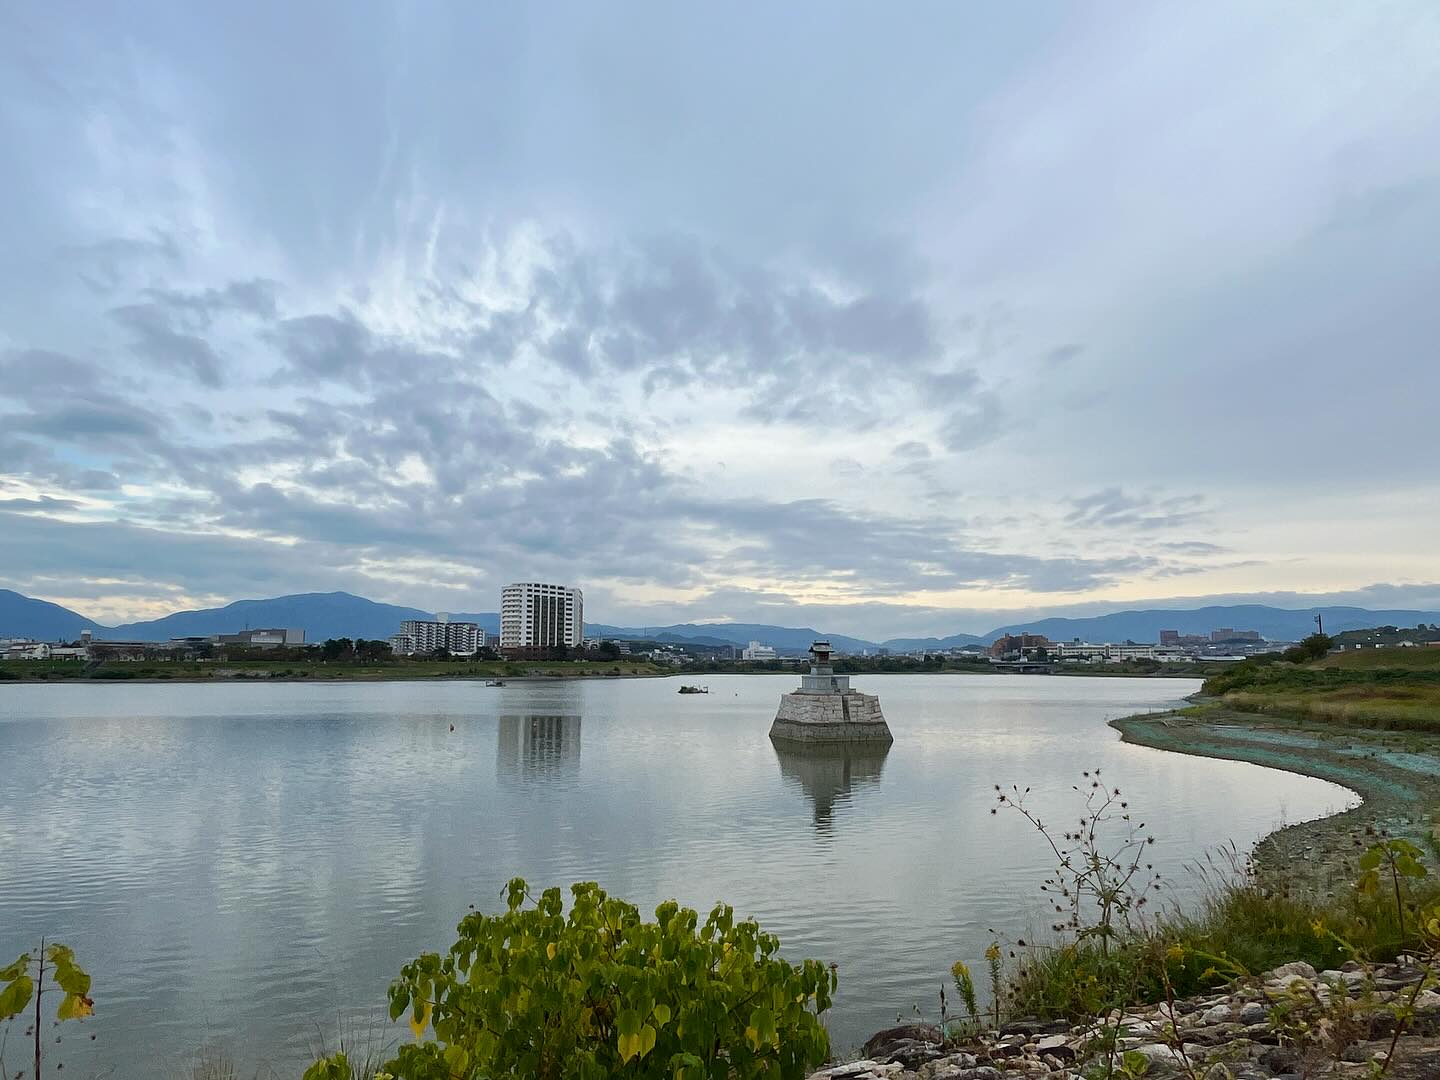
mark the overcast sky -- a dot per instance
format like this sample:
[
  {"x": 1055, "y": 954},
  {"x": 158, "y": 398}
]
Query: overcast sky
[{"x": 883, "y": 318}]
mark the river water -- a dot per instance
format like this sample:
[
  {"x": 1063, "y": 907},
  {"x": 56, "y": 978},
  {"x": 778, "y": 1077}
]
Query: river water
[{"x": 243, "y": 868}]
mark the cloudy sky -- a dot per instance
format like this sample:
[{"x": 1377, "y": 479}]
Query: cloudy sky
[{"x": 884, "y": 318}]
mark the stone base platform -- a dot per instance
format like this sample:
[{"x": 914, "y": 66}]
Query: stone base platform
[{"x": 811, "y": 719}]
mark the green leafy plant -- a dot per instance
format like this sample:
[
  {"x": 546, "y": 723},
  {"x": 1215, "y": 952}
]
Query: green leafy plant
[
  {"x": 965, "y": 987},
  {"x": 993, "y": 961},
  {"x": 1392, "y": 858},
  {"x": 599, "y": 992},
  {"x": 45, "y": 971}
]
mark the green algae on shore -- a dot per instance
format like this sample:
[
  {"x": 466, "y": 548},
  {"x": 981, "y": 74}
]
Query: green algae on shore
[{"x": 1396, "y": 775}]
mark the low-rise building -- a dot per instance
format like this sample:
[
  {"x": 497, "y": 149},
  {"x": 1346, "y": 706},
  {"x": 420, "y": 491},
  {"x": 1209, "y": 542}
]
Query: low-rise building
[
  {"x": 421, "y": 637},
  {"x": 24, "y": 649},
  {"x": 267, "y": 638},
  {"x": 1097, "y": 653}
]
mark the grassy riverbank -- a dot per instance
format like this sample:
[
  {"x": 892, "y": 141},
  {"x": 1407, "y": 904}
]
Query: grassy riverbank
[
  {"x": 1367, "y": 720},
  {"x": 1364, "y": 721}
]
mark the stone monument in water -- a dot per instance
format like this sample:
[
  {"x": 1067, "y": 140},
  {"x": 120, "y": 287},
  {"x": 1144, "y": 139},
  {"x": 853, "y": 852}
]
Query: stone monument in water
[{"x": 826, "y": 711}]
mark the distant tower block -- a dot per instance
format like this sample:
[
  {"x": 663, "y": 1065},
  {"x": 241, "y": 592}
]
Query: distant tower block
[{"x": 826, "y": 710}]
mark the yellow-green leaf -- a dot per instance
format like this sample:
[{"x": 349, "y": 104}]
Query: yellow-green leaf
[
  {"x": 420, "y": 1019},
  {"x": 75, "y": 1007},
  {"x": 457, "y": 1059},
  {"x": 629, "y": 1046},
  {"x": 15, "y": 997},
  {"x": 15, "y": 970},
  {"x": 661, "y": 1013}
]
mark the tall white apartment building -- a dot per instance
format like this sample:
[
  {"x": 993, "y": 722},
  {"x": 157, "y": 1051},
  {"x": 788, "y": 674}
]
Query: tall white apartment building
[
  {"x": 539, "y": 616},
  {"x": 423, "y": 636}
]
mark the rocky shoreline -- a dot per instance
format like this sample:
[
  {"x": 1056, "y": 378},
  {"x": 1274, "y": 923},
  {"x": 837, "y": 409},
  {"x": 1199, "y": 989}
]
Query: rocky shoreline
[
  {"x": 1292, "y": 1023},
  {"x": 1396, "y": 775}
]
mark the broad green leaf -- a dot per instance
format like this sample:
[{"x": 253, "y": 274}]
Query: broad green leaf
[
  {"x": 15, "y": 997},
  {"x": 72, "y": 980},
  {"x": 628, "y": 1022},
  {"x": 15, "y": 970},
  {"x": 628, "y": 1046}
]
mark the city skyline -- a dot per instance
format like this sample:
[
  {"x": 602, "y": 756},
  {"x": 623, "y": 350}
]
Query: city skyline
[{"x": 914, "y": 324}]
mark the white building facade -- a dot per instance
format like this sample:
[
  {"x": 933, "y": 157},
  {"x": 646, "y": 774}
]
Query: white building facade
[
  {"x": 535, "y": 615},
  {"x": 756, "y": 651},
  {"x": 420, "y": 637},
  {"x": 1082, "y": 650}
]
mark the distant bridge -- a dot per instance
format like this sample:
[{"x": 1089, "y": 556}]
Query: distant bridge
[{"x": 1023, "y": 667}]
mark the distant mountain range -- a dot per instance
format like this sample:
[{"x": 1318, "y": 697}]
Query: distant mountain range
[
  {"x": 339, "y": 614},
  {"x": 1274, "y": 624},
  {"x": 321, "y": 615}
]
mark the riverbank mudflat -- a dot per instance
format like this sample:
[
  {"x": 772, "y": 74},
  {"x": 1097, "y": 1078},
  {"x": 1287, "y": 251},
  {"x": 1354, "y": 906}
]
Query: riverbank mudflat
[{"x": 1396, "y": 775}]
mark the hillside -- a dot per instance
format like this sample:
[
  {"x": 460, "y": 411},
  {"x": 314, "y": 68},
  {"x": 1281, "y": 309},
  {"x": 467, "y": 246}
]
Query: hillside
[
  {"x": 22, "y": 616},
  {"x": 1276, "y": 624}
]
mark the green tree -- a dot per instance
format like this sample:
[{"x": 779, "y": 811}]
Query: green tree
[{"x": 336, "y": 648}]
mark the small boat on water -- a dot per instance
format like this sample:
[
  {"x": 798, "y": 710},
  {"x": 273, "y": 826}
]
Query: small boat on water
[
  {"x": 494, "y": 682},
  {"x": 694, "y": 689}
]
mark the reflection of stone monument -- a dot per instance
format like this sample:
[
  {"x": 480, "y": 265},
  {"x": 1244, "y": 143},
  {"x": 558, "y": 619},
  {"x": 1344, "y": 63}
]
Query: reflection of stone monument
[
  {"x": 829, "y": 773},
  {"x": 534, "y": 746},
  {"x": 826, "y": 710}
]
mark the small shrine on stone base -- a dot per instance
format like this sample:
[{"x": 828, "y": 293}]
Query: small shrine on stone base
[{"x": 824, "y": 710}]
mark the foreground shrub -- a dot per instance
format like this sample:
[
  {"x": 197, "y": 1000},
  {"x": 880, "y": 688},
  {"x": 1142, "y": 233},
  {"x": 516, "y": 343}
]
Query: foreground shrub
[{"x": 599, "y": 992}]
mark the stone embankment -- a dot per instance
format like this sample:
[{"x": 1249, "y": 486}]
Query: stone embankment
[{"x": 1293, "y": 1023}]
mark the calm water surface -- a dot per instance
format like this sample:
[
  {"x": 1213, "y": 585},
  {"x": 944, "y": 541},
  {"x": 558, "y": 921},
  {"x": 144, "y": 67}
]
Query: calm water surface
[{"x": 246, "y": 867}]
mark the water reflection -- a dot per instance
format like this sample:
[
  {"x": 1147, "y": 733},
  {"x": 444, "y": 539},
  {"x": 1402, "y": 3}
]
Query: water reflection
[
  {"x": 535, "y": 747},
  {"x": 829, "y": 774}
]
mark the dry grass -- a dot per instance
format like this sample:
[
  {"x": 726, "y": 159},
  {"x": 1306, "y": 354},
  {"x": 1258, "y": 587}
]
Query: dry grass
[{"x": 1415, "y": 708}]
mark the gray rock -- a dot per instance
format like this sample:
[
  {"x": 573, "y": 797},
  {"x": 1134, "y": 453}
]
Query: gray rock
[
  {"x": 1298, "y": 970},
  {"x": 911, "y": 1053},
  {"x": 1216, "y": 1015},
  {"x": 875, "y": 1046},
  {"x": 1058, "y": 1045},
  {"x": 947, "y": 1066},
  {"x": 1253, "y": 1013},
  {"x": 1280, "y": 1059},
  {"x": 848, "y": 1071}
]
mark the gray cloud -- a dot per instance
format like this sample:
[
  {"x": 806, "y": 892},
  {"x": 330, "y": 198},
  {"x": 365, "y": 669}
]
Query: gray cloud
[
  {"x": 1115, "y": 508},
  {"x": 429, "y": 363},
  {"x": 154, "y": 338}
]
